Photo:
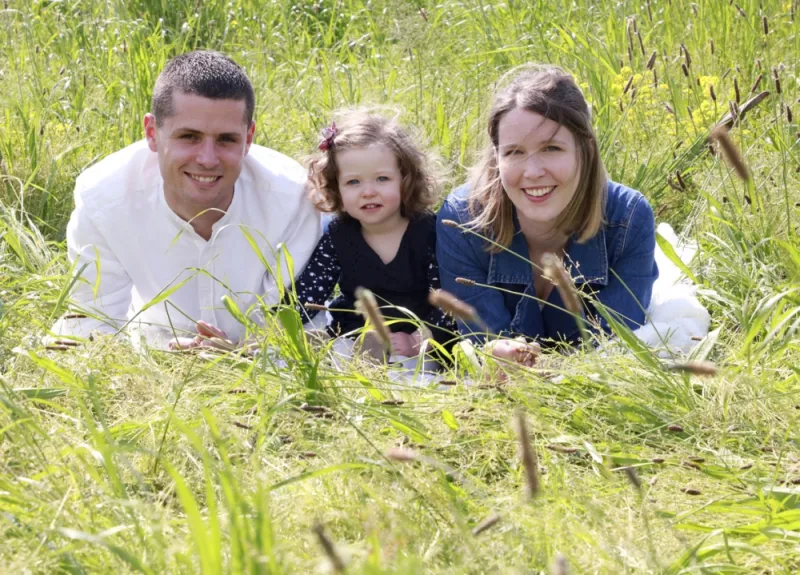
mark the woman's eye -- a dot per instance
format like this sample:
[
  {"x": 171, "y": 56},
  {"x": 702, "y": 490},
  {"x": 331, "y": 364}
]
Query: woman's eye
[{"x": 552, "y": 149}]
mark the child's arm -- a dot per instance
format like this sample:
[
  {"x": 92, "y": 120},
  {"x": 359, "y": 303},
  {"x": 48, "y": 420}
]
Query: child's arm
[{"x": 319, "y": 278}]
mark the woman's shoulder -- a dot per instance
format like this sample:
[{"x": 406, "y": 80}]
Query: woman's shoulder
[
  {"x": 456, "y": 205},
  {"x": 625, "y": 206}
]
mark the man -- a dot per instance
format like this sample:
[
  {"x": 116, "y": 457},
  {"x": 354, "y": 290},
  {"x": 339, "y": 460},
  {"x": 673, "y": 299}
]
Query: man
[{"x": 166, "y": 227}]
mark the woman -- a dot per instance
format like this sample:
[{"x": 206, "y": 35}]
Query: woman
[{"x": 541, "y": 188}]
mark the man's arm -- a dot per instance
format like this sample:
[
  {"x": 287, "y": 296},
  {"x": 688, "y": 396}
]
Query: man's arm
[{"x": 102, "y": 291}]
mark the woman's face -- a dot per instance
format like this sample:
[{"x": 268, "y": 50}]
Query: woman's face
[{"x": 539, "y": 167}]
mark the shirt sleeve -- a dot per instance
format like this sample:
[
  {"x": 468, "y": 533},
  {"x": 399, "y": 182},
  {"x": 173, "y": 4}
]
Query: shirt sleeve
[
  {"x": 319, "y": 278},
  {"x": 631, "y": 277},
  {"x": 457, "y": 258},
  {"x": 103, "y": 289}
]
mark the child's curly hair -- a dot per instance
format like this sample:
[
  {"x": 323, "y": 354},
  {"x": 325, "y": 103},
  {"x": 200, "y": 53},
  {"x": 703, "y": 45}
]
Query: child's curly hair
[{"x": 419, "y": 188}]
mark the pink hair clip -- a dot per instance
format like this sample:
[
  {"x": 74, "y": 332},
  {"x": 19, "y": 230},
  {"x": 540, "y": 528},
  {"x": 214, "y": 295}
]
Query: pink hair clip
[{"x": 328, "y": 135}]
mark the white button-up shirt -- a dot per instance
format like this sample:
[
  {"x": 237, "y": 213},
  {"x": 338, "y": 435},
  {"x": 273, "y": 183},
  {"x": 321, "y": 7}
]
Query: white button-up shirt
[{"x": 131, "y": 250}]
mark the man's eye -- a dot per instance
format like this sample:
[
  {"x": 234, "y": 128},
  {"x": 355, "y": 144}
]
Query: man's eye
[
  {"x": 189, "y": 137},
  {"x": 227, "y": 139}
]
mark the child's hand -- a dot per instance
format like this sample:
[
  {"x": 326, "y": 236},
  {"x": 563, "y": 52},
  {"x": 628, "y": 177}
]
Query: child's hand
[{"x": 404, "y": 344}]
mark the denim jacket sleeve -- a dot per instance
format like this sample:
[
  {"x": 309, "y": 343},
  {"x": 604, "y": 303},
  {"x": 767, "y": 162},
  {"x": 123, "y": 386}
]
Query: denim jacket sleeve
[
  {"x": 461, "y": 254},
  {"x": 632, "y": 268}
]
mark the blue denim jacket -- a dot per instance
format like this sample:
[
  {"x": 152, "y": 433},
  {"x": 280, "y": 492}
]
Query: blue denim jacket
[{"x": 617, "y": 265}]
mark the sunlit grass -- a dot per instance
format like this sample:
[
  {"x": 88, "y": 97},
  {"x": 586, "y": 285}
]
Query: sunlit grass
[{"x": 112, "y": 460}]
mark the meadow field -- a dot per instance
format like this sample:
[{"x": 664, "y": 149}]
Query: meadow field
[{"x": 113, "y": 461}]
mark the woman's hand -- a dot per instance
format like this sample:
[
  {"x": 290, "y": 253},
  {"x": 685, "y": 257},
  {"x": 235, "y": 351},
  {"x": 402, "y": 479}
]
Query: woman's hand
[{"x": 514, "y": 350}]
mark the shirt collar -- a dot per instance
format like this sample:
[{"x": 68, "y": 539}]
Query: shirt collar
[{"x": 586, "y": 262}]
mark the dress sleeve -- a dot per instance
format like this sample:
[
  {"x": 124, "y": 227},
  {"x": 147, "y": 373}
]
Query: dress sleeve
[
  {"x": 319, "y": 278},
  {"x": 436, "y": 317}
]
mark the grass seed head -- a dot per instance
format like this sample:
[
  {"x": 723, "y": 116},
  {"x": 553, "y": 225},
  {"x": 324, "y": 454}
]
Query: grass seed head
[
  {"x": 450, "y": 223},
  {"x": 694, "y": 367},
  {"x": 652, "y": 60},
  {"x": 560, "y": 565},
  {"x": 730, "y": 151},
  {"x": 465, "y": 281},
  {"x": 554, "y": 270},
  {"x": 329, "y": 548},
  {"x": 369, "y": 308},
  {"x": 400, "y": 454},
  {"x": 756, "y": 84},
  {"x": 486, "y": 524},
  {"x": 314, "y": 306},
  {"x": 449, "y": 303},
  {"x": 765, "y": 25},
  {"x": 528, "y": 456}
]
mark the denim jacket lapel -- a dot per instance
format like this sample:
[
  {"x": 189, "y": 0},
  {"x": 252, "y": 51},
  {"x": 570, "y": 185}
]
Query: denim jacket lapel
[{"x": 587, "y": 263}]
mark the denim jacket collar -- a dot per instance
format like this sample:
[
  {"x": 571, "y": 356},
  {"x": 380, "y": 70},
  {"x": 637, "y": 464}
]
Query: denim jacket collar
[{"x": 512, "y": 266}]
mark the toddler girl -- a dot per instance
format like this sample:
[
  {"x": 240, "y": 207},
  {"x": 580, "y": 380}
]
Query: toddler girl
[{"x": 373, "y": 177}]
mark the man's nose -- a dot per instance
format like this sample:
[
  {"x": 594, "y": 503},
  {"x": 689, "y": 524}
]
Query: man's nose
[{"x": 207, "y": 153}]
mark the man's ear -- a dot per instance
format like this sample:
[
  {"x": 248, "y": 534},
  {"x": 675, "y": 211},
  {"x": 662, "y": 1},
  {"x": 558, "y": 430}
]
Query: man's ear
[
  {"x": 150, "y": 131},
  {"x": 251, "y": 131}
]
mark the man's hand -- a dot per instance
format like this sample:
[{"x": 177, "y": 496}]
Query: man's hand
[
  {"x": 514, "y": 350},
  {"x": 207, "y": 336}
]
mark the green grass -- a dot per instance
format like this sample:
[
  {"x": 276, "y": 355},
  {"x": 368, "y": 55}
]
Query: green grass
[{"x": 113, "y": 461}]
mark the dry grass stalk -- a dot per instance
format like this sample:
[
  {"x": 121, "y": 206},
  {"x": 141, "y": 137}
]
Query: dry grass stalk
[
  {"x": 446, "y": 301},
  {"x": 369, "y": 308},
  {"x": 554, "y": 270},
  {"x": 486, "y": 524},
  {"x": 528, "y": 456},
  {"x": 329, "y": 548},
  {"x": 315, "y": 306},
  {"x": 694, "y": 367},
  {"x": 731, "y": 153}
]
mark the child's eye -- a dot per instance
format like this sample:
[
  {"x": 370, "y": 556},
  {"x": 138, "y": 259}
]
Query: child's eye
[
  {"x": 552, "y": 148},
  {"x": 512, "y": 152},
  {"x": 352, "y": 182},
  {"x": 383, "y": 178}
]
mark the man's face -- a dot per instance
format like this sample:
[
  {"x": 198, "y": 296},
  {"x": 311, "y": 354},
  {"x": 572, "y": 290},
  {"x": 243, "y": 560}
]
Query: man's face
[{"x": 200, "y": 149}]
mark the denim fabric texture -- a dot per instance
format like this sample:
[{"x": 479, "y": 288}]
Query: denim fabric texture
[{"x": 617, "y": 266}]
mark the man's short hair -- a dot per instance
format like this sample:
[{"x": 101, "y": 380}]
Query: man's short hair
[{"x": 202, "y": 73}]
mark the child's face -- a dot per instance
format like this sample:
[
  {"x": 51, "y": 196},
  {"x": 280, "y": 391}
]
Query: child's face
[
  {"x": 539, "y": 167},
  {"x": 369, "y": 181}
]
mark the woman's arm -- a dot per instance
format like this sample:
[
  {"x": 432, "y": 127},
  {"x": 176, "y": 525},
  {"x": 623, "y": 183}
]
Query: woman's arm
[{"x": 632, "y": 274}]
